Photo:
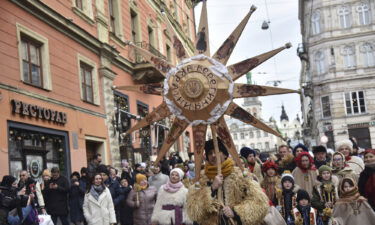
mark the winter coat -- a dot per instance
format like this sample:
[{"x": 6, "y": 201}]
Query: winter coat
[
  {"x": 158, "y": 180},
  {"x": 366, "y": 185},
  {"x": 56, "y": 200},
  {"x": 344, "y": 213},
  {"x": 114, "y": 188},
  {"x": 346, "y": 172},
  {"x": 76, "y": 198},
  {"x": 142, "y": 214},
  {"x": 128, "y": 176},
  {"x": 91, "y": 169},
  {"x": 101, "y": 211},
  {"x": 307, "y": 180},
  {"x": 165, "y": 217},
  {"x": 125, "y": 212},
  {"x": 258, "y": 172},
  {"x": 242, "y": 194}
]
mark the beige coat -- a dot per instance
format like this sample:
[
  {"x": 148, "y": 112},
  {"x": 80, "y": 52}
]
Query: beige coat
[
  {"x": 258, "y": 172},
  {"x": 344, "y": 214},
  {"x": 240, "y": 193},
  {"x": 308, "y": 183},
  {"x": 356, "y": 164},
  {"x": 101, "y": 211},
  {"x": 164, "y": 217}
]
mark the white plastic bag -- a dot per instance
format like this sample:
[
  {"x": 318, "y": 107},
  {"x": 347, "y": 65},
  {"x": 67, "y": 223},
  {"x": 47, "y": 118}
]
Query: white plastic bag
[{"x": 45, "y": 220}]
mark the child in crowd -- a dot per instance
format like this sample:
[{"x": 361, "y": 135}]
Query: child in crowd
[
  {"x": 304, "y": 214},
  {"x": 325, "y": 194},
  {"x": 271, "y": 179},
  {"x": 286, "y": 197}
]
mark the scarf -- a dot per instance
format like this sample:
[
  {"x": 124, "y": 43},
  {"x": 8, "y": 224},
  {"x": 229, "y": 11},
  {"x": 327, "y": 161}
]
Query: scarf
[
  {"x": 350, "y": 196},
  {"x": 138, "y": 187},
  {"x": 96, "y": 191},
  {"x": 347, "y": 158},
  {"x": 305, "y": 213},
  {"x": 251, "y": 167},
  {"x": 172, "y": 188},
  {"x": 226, "y": 169}
]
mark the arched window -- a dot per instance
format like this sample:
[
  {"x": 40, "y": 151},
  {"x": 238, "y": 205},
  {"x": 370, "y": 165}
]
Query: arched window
[
  {"x": 349, "y": 57},
  {"x": 319, "y": 62},
  {"x": 368, "y": 54},
  {"x": 364, "y": 14},
  {"x": 315, "y": 22},
  {"x": 251, "y": 134},
  {"x": 344, "y": 15}
]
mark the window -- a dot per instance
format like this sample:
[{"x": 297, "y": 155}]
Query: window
[
  {"x": 31, "y": 62},
  {"x": 87, "y": 87},
  {"x": 265, "y": 134},
  {"x": 144, "y": 133},
  {"x": 252, "y": 145},
  {"x": 33, "y": 58},
  {"x": 235, "y": 136},
  {"x": 349, "y": 57},
  {"x": 79, "y": 4},
  {"x": 364, "y": 14},
  {"x": 319, "y": 62},
  {"x": 112, "y": 17},
  {"x": 242, "y": 135},
  {"x": 315, "y": 22},
  {"x": 258, "y": 133},
  {"x": 88, "y": 80},
  {"x": 134, "y": 26},
  {"x": 355, "y": 102},
  {"x": 259, "y": 145},
  {"x": 251, "y": 134},
  {"x": 151, "y": 36},
  {"x": 267, "y": 145},
  {"x": 344, "y": 15},
  {"x": 326, "y": 108},
  {"x": 368, "y": 54}
]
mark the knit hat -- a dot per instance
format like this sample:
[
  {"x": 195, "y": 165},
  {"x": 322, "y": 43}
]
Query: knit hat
[
  {"x": 7, "y": 181},
  {"x": 268, "y": 165},
  {"x": 344, "y": 142},
  {"x": 246, "y": 151},
  {"x": 319, "y": 148},
  {"x": 372, "y": 151},
  {"x": 302, "y": 194},
  {"x": 324, "y": 168},
  {"x": 139, "y": 177},
  {"x": 305, "y": 149},
  {"x": 46, "y": 172},
  {"x": 287, "y": 176},
  {"x": 181, "y": 173},
  {"x": 209, "y": 146}
]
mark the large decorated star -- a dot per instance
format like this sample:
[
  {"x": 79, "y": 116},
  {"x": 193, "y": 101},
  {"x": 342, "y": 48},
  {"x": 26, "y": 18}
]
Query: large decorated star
[{"x": 200, "y": 90}]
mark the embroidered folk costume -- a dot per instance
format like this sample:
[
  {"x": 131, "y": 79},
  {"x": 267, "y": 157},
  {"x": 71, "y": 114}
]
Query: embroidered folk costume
[
  {"x": 352, "y": 208},
  {"x": 286, "y": 197},
  {"x": 304, "y": 214},
  {"x": 305, "y": 174},
  {"x": 325, "y": 194},
  {"x": 248, "y": 205},
  {"x": 271, "y": 179}
]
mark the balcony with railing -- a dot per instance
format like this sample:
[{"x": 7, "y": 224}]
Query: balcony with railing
[{"x": 145, "y": 72}]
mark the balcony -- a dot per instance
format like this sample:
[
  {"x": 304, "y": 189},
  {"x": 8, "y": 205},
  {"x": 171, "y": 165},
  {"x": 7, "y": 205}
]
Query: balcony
[{"x": 145, "y": 72}]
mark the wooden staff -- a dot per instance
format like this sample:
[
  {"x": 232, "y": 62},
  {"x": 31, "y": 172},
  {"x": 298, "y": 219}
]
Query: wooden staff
[{"x": 218, "y": 161}]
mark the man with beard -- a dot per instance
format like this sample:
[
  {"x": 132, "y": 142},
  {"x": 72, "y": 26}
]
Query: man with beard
[
  {"x": 243, "y": 201},
  {"x": 320, "y": 156},
  {"x": 32, "y": 187}
]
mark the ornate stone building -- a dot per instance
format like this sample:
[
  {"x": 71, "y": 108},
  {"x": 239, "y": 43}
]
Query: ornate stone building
[
  {"x": 59, "y": 61},
  {"x": 338, "y": 70}
]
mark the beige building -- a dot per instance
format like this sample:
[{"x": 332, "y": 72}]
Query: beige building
[{"x": 338, "y": 70}]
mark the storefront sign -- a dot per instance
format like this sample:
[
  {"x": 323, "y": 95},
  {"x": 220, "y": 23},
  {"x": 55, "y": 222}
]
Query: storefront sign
[{"x": 39, "y": 112}]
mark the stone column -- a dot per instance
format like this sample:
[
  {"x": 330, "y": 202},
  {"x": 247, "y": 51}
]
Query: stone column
[{"x": 107, "y": 76}]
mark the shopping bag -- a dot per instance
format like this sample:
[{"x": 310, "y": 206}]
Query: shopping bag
[{"x": 45, "y": 219}]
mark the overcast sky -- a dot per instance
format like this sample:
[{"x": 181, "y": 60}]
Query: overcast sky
[{"x": 224, "y": 16}]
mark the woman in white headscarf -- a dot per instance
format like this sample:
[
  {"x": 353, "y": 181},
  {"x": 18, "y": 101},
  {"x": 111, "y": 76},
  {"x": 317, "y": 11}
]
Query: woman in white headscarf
[
  {"x": 354, "y": 162},
  {"x": 170, "y": 206}
]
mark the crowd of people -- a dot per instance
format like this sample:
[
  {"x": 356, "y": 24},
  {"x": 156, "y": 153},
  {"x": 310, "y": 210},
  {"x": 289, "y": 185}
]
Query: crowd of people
[{"x": 296, "y": 186}]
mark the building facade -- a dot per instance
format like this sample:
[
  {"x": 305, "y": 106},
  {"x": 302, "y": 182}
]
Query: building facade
[
  {"x": 59, "y": 61},
  {"x": 338, "y": 70}
]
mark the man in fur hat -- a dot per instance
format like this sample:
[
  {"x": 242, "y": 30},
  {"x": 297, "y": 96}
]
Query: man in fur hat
[
  {"x": 320, "y": 156},
  {"x": 254, "y": 167},
  {"x": 243, "y": 201}
]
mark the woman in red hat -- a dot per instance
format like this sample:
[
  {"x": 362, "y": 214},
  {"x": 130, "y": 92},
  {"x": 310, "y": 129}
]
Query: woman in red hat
[{"x": 271, "y": 179}]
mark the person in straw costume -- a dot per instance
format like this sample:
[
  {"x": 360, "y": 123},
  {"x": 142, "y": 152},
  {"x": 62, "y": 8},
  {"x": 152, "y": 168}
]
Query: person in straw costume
[{"x": 227, "y": 198}]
